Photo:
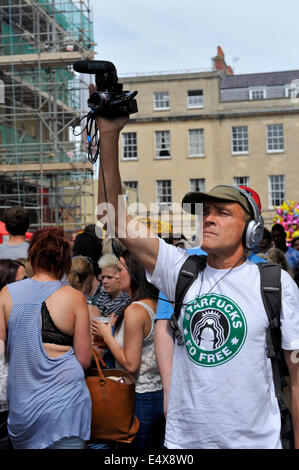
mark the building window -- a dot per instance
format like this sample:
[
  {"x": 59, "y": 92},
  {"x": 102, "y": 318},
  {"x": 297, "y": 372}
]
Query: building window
[
  {"x": 196, "y": 142},
  {"x": 129, "y": 145},
  {"x": 164, "y": 196},
  {"x": 197, "y": 184},
  {"x": 240, "y": 139},
  {"x": 162, "y": 144},
  {"x": 195, "y": 99},
  {"x": 275, "y": 139},
  {"x": 161, "y": 100},
  {"x": 134, "y": 186},
  {"x": 241, "y": 181},
  {"x": 131, "y": 184},
  {"x": 257, "y": 93},
  {"x": 276, "y": 190},
  {"x": 288, "y": 90},
  {"x": 292, "y": 90}
]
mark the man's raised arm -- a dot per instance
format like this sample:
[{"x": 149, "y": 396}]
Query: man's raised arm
[{"x": 138, "y": 238}]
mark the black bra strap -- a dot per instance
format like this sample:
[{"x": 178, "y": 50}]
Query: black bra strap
[{"x": 50, "y": 332}]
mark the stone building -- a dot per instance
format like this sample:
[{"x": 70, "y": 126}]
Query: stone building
[{"x": 197, "y": 129}]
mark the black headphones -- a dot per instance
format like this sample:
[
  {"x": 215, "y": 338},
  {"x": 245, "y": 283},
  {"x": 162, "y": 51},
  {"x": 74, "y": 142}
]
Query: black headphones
[{"x": 254, "y": 227}]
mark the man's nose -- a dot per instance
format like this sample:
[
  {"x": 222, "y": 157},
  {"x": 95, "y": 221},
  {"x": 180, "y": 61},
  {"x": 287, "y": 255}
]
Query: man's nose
[{"x": 209, "y": 218}]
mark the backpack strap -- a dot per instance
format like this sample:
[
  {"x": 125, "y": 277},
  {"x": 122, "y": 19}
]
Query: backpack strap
[
  {"x": 187, "y": 275},
  {"x": 271, "y": 294}
]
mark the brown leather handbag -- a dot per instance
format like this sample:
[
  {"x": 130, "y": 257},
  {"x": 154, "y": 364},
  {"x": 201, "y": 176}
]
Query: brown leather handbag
[{"x": 112, "y": 393}]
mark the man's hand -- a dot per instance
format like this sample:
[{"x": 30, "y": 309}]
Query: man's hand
[{"x": 111, "y": 126}]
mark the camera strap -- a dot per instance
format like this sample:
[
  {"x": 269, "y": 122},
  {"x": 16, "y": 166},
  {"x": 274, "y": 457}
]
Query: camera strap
[{"x": 92, "y": 140}]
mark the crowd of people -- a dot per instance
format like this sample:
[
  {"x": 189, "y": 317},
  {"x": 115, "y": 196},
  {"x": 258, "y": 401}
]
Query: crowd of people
[
  {"x": 54, "y": 288},
  {"x": 53, "y": 291}
]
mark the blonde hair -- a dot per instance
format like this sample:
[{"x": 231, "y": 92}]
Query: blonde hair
[
  {"x": 108, "y": 260},
  {"x": 81, "y": 272}
]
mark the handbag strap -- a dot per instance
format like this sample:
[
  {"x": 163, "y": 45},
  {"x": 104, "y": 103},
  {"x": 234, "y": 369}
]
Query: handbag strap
[{"x": 101, "y": 376}]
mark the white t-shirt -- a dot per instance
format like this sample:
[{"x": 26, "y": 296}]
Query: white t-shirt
[{"x": 222, "y": 393}]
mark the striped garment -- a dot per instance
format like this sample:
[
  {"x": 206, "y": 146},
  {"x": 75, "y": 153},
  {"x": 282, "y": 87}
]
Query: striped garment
[
  {"x": 107, "y": 305},
  {"x": 48, "y": 398}
]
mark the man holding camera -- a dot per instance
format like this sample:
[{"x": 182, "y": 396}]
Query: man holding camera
[{"x": 222, "y": 392}]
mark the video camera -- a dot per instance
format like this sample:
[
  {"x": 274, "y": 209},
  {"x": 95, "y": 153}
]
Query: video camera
[{"x": 109, "y": 100}]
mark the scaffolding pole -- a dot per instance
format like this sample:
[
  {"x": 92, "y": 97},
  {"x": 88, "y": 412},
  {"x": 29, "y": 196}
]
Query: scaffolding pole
[{"x": 42, "y": 165}]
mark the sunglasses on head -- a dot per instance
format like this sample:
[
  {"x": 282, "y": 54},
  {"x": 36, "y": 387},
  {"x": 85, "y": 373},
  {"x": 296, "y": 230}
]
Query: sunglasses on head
[{"x": 85, "y": 257}]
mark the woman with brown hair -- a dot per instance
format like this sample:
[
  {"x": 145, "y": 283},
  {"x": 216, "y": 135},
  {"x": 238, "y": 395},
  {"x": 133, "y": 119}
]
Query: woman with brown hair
[
  {"x": 132, "y": 346},
  {"x": 46, "y": 328}
]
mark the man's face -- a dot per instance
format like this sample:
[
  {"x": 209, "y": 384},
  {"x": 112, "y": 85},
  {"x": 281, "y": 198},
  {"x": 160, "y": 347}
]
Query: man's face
[
  {"x": 264, "y": 242},
  {"x": 223, "y": 226},
  {"x": 277, "y": 237},
  {"x": 296, "y": 245}
]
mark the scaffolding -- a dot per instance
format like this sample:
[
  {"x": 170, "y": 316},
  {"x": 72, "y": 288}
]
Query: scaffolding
[{"x": 43, "y": 167}]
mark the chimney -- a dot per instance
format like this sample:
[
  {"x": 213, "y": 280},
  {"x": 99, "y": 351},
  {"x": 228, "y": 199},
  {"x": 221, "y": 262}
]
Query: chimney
[
  {"x": 219, "y": 63},
  {"x": 229, "y": 70}
]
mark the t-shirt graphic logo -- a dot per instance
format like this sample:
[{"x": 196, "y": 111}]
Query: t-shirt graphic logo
[{"x": 214, "y": 329}]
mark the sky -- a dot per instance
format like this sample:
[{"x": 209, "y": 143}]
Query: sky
[{"x": 143, "y": 36}]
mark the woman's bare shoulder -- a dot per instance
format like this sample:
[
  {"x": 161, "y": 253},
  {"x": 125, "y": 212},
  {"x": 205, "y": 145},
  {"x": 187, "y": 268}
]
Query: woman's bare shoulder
[
  {"x": 137, "y": 312},
  {"x": 69, "y": 294},
  {"x": 152, "y": 303}
]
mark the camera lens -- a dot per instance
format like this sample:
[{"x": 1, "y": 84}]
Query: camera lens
[{"x": 99, "y": 100}]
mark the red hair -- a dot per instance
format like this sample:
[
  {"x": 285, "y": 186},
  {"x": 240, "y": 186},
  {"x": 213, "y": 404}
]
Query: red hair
[{"x": 50, "y": 251}]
